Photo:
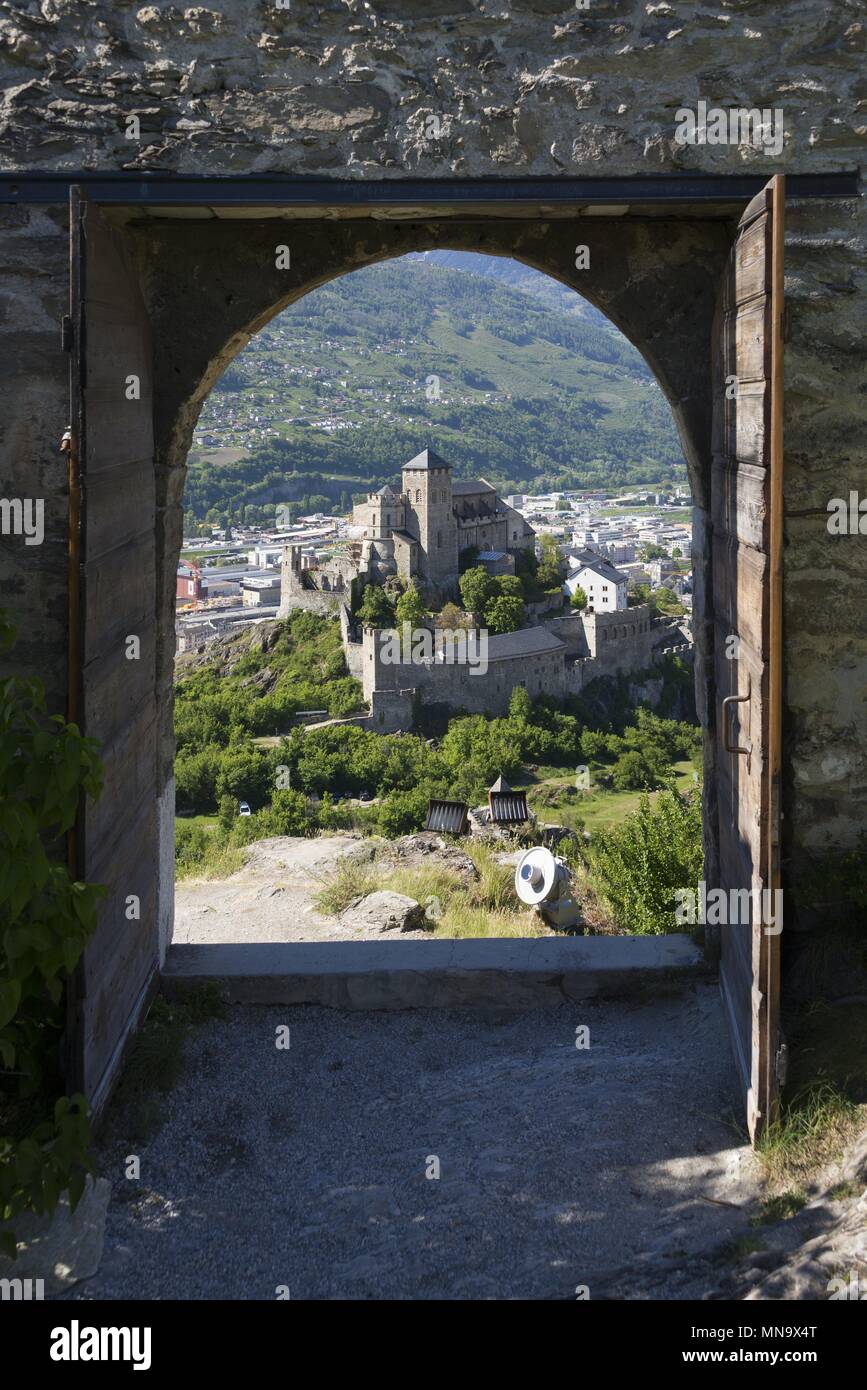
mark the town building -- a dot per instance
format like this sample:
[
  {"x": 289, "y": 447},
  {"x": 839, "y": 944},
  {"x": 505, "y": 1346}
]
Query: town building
[{"x": 604, "y": 585}]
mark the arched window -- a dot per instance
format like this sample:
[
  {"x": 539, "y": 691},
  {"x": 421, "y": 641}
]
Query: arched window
[{"x": 418, "y": 494}]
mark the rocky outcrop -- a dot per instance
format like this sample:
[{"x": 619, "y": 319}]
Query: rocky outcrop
[{"x": 385, "y": 911}]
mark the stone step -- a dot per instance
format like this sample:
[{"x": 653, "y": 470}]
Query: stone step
[{"x": 396, "y": 974}]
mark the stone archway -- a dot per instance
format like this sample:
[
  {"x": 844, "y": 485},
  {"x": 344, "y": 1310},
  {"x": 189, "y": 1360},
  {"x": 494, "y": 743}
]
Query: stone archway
[
  {"x": 210, "y": 286},
  {"x": 182, "y": 300}
]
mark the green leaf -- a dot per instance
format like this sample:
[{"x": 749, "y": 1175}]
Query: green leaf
[
  {"x": 10, "y": 997},
  {"x": 71, "y": 953}
]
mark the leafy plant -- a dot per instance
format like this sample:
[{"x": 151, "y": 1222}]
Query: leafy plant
[
  {"x": 47, "y": 917},
  {"x": 638, "y": 866}
]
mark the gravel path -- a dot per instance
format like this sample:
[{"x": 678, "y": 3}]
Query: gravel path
[{"x": 306, "y": 1167}]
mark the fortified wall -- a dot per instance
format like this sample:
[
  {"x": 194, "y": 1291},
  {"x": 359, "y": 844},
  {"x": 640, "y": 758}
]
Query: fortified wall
[
  {"x": 303, "y": 585},
  {"x": 559, "y": 658}
]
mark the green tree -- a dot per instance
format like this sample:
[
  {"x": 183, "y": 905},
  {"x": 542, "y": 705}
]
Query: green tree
[
  {"x": 476, "y": 587},
  {"x": 451, "y": 616},
  {"x": 375, "y": 609},
  {"x": 409, "y": 608},
  {"x": 630, "y": 772},
  {"x": 289, "y": 814},
  {"x": 504, "y": 614},
  {"x": 520, "y": 705},
  {"x": 245, "y": 774},
  {"x": 666, "y": 601},
  {"x": 579, "y": 598},
  {"x": 552, "y": 566},
  {"x": 400, "y": 813},
  {"x": 510, "y": 585},
  {"x": 227, "y": 812}
]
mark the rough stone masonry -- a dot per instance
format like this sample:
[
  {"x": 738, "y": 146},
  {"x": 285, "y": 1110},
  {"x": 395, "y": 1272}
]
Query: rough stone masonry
[{"x": 450, "y": 88}]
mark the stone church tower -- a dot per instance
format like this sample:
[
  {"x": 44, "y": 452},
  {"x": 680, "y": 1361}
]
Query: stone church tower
[{"x": 427, "y": 486}]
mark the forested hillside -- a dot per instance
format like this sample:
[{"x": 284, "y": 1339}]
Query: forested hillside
[{"x": 510, "y": 376}]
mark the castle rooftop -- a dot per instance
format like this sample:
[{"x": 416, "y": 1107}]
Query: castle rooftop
[{"x": 425, "y": 460}]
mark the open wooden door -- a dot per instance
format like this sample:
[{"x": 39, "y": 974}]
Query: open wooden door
[
  {"x": 747, "y": 595},
  {"x": 112, "y": 639}
]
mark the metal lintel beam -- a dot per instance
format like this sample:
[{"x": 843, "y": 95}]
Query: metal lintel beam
[{"x": 134, "y": 189}]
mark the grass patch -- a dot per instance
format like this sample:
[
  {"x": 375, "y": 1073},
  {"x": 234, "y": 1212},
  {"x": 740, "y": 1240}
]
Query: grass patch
[
  {"x": 349, "y": 881},
  {"x": 779, "y": 1208},
  {"x": 744, "y": 1246},
  {"x": 482, "y": 907},
  {"x": 456, "y": 906},
  {"x": 557, "y": 801},
  {"x": 218, "y": 861},
  {"x": 156, "y": 1061},
  {"x": 825, "y": 1103},
  {"x": 812, "y": 1131}
]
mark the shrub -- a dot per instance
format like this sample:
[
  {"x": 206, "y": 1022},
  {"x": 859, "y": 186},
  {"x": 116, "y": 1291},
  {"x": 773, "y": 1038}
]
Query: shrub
[
  {"x": 638, "y": 866},
  {"x": 351, "y": 880},
  {"x": 192, "y": 841},
  {"x": 290, "y": 814},
  {"x": 47, "y": 918},
  {"x": 400, "y": 813}
]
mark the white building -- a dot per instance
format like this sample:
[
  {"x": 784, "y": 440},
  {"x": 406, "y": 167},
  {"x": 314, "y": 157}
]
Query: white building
[{"x": 604, "y": 586}]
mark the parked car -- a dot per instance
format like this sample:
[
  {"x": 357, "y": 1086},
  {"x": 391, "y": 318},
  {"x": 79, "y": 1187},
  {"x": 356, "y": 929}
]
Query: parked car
[
  {"x": 244, "y": 809},
  {"x": 364, "y": 796}
]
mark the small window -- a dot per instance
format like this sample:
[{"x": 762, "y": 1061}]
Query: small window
[{"x": 418, "y": 494}]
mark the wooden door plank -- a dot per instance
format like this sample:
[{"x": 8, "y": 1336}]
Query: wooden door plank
[
  {"x": 746, "y": 512},
  {"x": 116, "y": 841}
]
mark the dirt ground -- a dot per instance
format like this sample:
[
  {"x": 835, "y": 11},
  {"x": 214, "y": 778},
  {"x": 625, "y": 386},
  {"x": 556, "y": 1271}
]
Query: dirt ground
[
  {"x": 435, "y": 1154},
  {"x": 271, "y": 897}
]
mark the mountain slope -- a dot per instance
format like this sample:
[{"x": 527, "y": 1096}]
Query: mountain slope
[{"x": 492, "y": 369}]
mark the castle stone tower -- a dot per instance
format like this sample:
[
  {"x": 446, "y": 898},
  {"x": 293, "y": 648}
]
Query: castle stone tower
[{"x": 427, "y": 486}]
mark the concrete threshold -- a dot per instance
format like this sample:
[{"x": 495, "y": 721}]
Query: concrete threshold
[{"x": 434, "y": 974}]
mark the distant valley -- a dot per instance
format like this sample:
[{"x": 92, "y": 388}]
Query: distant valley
[{"x": 511, "y": 375}]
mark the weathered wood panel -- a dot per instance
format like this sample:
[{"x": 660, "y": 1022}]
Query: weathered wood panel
[
  {"x": 739, "y": 504},
  {"x": 745, "y": 506},
  {"x": 116, "y": 837}
]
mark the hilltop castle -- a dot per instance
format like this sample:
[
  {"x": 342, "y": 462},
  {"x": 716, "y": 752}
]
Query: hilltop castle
[
  {"x": 420, "y": 532},
  {"x": 415, "y": 534}
]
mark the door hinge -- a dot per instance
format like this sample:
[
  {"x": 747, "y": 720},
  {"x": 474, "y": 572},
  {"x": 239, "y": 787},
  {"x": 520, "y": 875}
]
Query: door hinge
[
  {"x": 66, "y": 334},
  {"x": 781, "y": 1064}
]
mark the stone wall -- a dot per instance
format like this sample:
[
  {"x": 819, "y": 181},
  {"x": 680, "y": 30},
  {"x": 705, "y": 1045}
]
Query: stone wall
[
  {"x": 294, "y": 594},
  {"x": 354, "y": 90}
]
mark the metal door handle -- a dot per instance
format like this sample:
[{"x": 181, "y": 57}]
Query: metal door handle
[{"x": 727, "y": 704}]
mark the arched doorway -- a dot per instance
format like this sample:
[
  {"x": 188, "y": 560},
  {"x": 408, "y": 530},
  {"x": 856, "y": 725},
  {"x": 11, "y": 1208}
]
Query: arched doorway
[{"x": 162, "y": 305}]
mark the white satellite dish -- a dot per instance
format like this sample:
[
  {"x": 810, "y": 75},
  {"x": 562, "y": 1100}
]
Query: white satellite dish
[
  {"x": 544, "y": 881},
  {"x": 535, "y": 875}
]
